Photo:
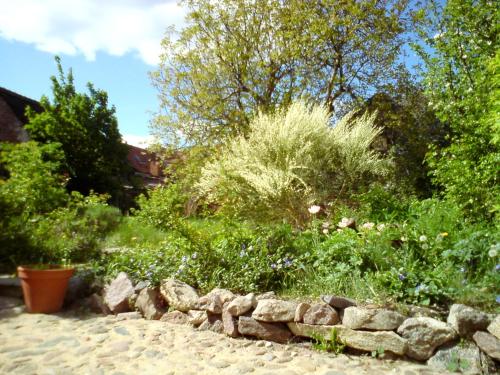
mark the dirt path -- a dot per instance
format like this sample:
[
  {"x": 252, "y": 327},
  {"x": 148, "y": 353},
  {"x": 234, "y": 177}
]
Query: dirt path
[{"x": 82, "y": 343}]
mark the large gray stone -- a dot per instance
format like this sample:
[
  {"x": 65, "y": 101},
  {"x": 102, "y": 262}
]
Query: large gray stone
[
  {"x": 78, "y": 289},
  {"x": 360, "y": 340},
  {"x": 494, "y": 327},
  {"x": 97, "y": 305},
  {"x": 118, "y": 293},
  {"x": 211, "y": 303},
  {"x": 150, "y": 304},
  {"x": 488, "y": 344},
  {"x": 276, "y": 332},
  {"x": 300, "y": 312},
  {"x": 224, "y": 295},
  {"x": 373, "y": 319},
  {"x": 274, "y": 310},
  {"x": 213, "y": 323},
  {"x": 424, "y": 335},
  {"x": 320, "y": 313},
  {"x": 338, "y": 302},
  {"x": 465, "y": 358},
  {"x": 242, "y": 304},
  {"x": 179, "y": 295},
  {"x": 229, "y": 322},
  {"x": 196, "y": 317},
  {"x": 466, "y": 320}
]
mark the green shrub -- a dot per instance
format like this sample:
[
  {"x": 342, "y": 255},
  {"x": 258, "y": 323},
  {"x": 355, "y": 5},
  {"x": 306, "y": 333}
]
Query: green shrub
[{"x": 291, "y": 160}]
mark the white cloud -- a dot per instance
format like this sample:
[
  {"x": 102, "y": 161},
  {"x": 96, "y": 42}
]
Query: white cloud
[
  {"x": 142, "y": 141},
  {"x": 89, "y": 26}
]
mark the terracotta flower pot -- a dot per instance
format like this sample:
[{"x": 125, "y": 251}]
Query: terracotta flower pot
[{"x": 44, "y": 288}]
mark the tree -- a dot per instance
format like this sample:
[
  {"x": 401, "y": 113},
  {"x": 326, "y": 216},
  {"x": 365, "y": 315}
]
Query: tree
[
  {"x": 291, "y": 160},
  {"x": 462, "y": 65},
  {"x": 87, "y": 130},
  {"x": 236, "y": 57}
]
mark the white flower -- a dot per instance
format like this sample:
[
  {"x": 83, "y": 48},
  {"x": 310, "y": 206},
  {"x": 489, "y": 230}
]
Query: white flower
[
  {"x": 314, "y": 209},
  {"x": 368, "y": 226},
  {"x": 492, "y": 253},
  {"x": 404, "y": 239},
  {"x": 422, "y": 238},
  {"x": 325, "y": 231},
  {"x": 345, "y": 222},
  {"x": 380, "y": 227}
]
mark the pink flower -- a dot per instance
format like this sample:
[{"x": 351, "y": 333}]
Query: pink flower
[{"x": 314, "y": 209}]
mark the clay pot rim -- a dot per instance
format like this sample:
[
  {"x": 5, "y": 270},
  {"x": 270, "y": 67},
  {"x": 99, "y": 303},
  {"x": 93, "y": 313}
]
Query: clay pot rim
[{"x": 44, "y": 267}]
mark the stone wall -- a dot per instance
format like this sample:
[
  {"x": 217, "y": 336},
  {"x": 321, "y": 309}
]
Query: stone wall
[{"x": 420, "y": 334}]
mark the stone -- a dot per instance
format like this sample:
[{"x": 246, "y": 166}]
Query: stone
[
  {"x": 151, "y": 304},
  {"x": 196, "y": 317},
  {"x": 140, "y": 286},
  {"x": 360, "y": 340},
  {"x": 266, "y": 295},
  {"x": 463, "y": 358},
  {"x": 424, "y": 312},
  {"x": 466, "y": 320},
  {"x": 211, "y": 303},
  {"x": 128, "y": 316},
  {"x": 175, "y": 317},
  {"x": 494, "y": 327},
  {"x": 338, "y": 302},
  {"x": 424, "y": 335},
  {"x": 97, "y": 305},
  {"x": 488, "y": 344},
  {"x": 242, "y": 304},
  {"x": 117, "y": 294},
  {"x": 300, "y": 311},
  {"x": 212, "y": 323},
  {"x": 179, "y": 295},
  {"x": 274, "y": 310},
  {"x": 373, "y": 319},
  {"x": 229, "y": 322},
  {"x": 266, "y": 331},
  {"x": 320, "y": 313},
  {"x": 78, "y": 289},
  {"x": 224, "y": 295}
]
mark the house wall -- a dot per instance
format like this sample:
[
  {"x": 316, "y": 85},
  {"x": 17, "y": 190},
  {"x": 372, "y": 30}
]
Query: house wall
[{"x": 11, "y": 128}]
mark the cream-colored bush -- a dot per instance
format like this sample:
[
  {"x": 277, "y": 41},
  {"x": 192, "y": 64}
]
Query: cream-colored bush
[{"x": 291, "y": 160}]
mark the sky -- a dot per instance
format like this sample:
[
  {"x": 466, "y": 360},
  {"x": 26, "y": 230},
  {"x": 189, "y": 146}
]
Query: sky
[{"x": 111, "y": 43}]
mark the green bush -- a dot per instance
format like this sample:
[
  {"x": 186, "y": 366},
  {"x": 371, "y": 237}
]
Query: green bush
[{"x": 291, "y": 160}]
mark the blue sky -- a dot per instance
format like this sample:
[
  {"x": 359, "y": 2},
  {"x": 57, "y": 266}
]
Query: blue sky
[{"x": 113, "y": 44}]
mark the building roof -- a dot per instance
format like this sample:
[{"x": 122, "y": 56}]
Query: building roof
[{"x": 18, "y": 104}]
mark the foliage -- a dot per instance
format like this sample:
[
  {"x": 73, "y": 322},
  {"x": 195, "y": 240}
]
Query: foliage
[
  {"x": 332, "y": 344},
  {"x": 291, "y": 160},
  {"x": 87, "y": 130},
  {"x": 463, "y": 84},
  {"x": 235, "y": 58}
]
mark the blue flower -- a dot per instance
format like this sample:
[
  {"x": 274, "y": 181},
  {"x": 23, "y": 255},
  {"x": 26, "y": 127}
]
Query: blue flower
[
  {"x": 242, "y": 253},
  {"x": 421, "y": 287},
  {"x": 243, "y": 247},
  {"x": 288, "y": 262},
  {"x": 498, "y": 299},
  {"x": 194, "y": 256},
  {"x": 184, "y": 259},
  {"x": 497, "y": 267},
  {"x": 462, "y": 269},
  {"x": 402, "y": 276},
  {"x": 273, "y": 266}
]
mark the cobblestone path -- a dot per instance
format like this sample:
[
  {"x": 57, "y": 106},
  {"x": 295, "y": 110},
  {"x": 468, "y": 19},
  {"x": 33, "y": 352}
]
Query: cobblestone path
[{"x": 81, "y": 343}]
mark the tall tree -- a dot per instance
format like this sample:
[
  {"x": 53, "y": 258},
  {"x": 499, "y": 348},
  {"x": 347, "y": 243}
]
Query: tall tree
[
  {"x": 462, "y": 62},
  {"x": 87, "y": 130},
  {"x": 235, "y": 57}
]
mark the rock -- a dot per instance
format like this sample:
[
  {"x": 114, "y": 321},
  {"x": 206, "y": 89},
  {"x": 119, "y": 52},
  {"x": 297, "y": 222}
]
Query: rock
[
  {"x": 463, "y": 358},
  {"x": 274, "y": 310},
  {"x": 224, "y": 295},
  {"x": 229, "y": 322},
  {"x": 488, "y": 344},
  {"x": 374, "y": 319},
  {"x": 266, "y": 295},
  {"x": 179, "y": 295},
  {"x": 266, "y": 331},
  {"x": 424, "y": 312},
  {"x": 338, "y": 302},
  {"x": 133, "y": 315},
  {"x": 175, "y": 317},
  {"x": 140, "y": 286},
  {"x": 117, "y": 294},
  {"x": 78, "y": 288},
  {"x": 213, "y": 323},
  {"x": 424, "y": 335},
  {"x": 360, "y": 340},
  {"x": 466, "y": 320},
  {"x": 494, "y": 327},
  {"x": 150, "y": 304},
  {"x": 300, "y": 311},
  {"x": 97, "y": 305},
  {"x": 211, "y": 303},
  {"x": 196, "y": 317},
  {"x": 242, "y": 304},
  {"x": 320, "y": 313}
]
